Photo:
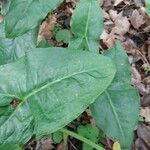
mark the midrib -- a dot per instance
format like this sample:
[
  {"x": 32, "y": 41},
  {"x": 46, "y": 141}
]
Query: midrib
[
  {"x": 36, "y": 90},
  {"x": 114, "y": 112},
  {"x": 40, "y": 88}
]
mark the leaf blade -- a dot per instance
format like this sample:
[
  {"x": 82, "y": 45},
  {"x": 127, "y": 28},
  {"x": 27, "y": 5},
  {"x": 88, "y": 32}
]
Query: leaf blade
[
  {"x": 49, "y": 81},
  {"x": 121, "y": 101},
  {"x": 87, "y": 32},
  {"x": 12, "y": 49},
  {"x": 31, "y": 12}
]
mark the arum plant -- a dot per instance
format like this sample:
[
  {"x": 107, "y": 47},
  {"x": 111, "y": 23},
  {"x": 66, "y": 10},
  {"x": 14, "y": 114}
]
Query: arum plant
[{"x": 43, "y": 89}]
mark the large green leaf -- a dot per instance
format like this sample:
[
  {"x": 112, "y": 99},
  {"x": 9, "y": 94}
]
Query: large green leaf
[
  {"x": 53, "y": 86},
  {"x": 87, "y": 25},
  {"x": 24, "y": 15},
  {"x": 116, "y": 110},
  {"x": 12, "y": 49},
  {"x": 147, "y": 2}
]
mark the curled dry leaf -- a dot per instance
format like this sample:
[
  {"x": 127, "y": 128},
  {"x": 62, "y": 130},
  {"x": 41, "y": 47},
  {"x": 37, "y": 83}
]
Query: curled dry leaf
[
  {"x": 47, "y": 27},
  {"x": 137, "y": 19}
]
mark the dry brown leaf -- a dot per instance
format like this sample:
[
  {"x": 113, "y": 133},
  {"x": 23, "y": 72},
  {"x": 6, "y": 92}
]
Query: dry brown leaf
[
  {"x": 45, "y": 144},
  {"x": 136, "y": 75},
  {"x": 108, "y": 39},
  {"x": 137, "y": 19},
  {"x": 113, "y": 14},
  {"x": 138, "y": 3},
  {"x": 122, "y": 25},
  {"x": 140, "y": 87},
  {"x": 145, "y": 112},
  {"x": 106, "y": 15},
  {"x": 47, "y": 27},
  {"x": 146, "y": 101},
  {"x": 117, "y": 2},
  {"x": 143, "y": 141}
]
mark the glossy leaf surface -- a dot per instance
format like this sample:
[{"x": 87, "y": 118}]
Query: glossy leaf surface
[
  {"x": 46, "y": 89},
  {"x": 116, "y": 110},
  {"x": 24, "y": 15},
  {"x": 87, "y": 25},
  {"x": 12, "y": 49}
]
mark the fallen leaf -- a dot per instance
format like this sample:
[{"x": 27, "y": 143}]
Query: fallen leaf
[
  {"x": 108, "y": 39},
  {"x": 122, "y": 25},
  {"x": 138, "y": 3},
  {"x": 117, "y": 2},
  {"x": 113, "y": 14},
  {"x": 143, "y": 133},
  {"x": 47, "y": 26},
  {"x": 45, "y": 144},
  {"x": 145, "y": 112},
  {"x": 146, "y": 101},
  {"x": 137, "y": 19}
]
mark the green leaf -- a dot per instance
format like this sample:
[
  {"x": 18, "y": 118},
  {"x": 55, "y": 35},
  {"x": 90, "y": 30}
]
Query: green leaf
[
  {"x": 121, "y": 61},
  {"x": 44, "y": 44},
  {"x": 116, "y": 110},
  {"x": 90, "y": 132},
  {"x": 147, "y": 7},
  {"x": 24, "y": 15},
  {"x": 87, "y": 25},
  {"x": 63, "y": 35},
  {"x": 57, "y": 137},
  {"x": 51, "y": 85},
  {"x": 12, "y": 49}
]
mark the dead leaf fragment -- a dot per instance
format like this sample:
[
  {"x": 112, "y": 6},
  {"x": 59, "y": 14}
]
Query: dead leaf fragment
[
  {"x": 138, "y": 3},
  {"x": 44, "y": 144},
  {"x": 122, "y": 25},
  {"x": 113, "y": 14},
  {"x": 137, "y": 19},
  {"x": 146, "y": 101},
  {"x": 47, "y": 27},
  {"x": 143, "y": 133},
  {"x": 117, "y": 2},
  {"x": 145, "y": 112}
]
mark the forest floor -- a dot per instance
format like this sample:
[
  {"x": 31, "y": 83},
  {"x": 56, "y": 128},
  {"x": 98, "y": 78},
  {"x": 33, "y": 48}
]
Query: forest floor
[{"x": 126, "y": 21}]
